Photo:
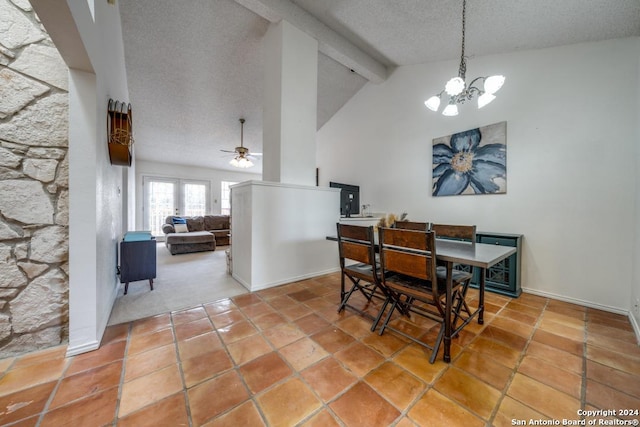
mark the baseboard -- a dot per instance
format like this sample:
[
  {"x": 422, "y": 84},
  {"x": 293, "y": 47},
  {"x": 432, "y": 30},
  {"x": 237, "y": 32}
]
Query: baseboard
[
  {"x": 577, "y": 301},
  {"x": 90, "y": 346},
  {"x": 285, "y": 281},
  {"x": 636, "y": 327}
]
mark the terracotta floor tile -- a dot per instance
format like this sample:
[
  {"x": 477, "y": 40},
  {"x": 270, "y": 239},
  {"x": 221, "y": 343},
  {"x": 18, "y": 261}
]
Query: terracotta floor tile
[
  {"x": 576, "y": 334},
  {"x": 575, "y": 321},
  {"x": 219, "y": 307},
  {"x": 295, "y": 311},
  {"x": 617, "y": 333},
  {"x": 436, "y": 410},
  {"x": 551, "y": 375},
  {"x": 237, "y": 331},
  {"x": 524, "y": 318},
  {"x": 303, "y": 353},
  {"x": 532, "y": 300},
  {"x": 227, "y": 318},
  {"x": 415, "y": 359},
  {"x": 522, "y": 329},
  {"x": 270, "y": 293},
  {"x": 568, "y": 361},
  {"x": 191, "y": 329},
  {"x": 35, "y": 358},
  {"x": 515, "y": 341},
  {"x": 385, "y": 344},
  {"x": 604, "y": 397},
  {"x": 493, "y": 373},
  {"x": 247, "y": 349},
  {"x": 566, "y": 308},
  {"x": 288, "y": 403},
  {"x": 359, "y": 359},
  {"x": 199, "y": 344},
  {"x": 254, "y": 310},
  {"x": 29, "y": 376},
  {"x": 362, "y": 406},
  {"x": 265, "y": 371},
  {"x": 140, "y": 343},
  {"x": 511, "y": 411},
  {"x": 328, "y": 378},
  {"x": 332, "y": 339},
  {"x": 205, "y": 366},
  {"x": 281, "y": 302},
  {"x": 614, "y": 378},
  {"x": 246, "y": 299},
  {"x": 495, "y": 350},
  {"x": 115, "y": 333},
  {"x": 269, "y": 320},
  {"x": 356, "y": 326},
  {"x": 6, "y": 363},
  {"x": 149, "y": 389},
  {"x": 207, "y": 401},
  {"x": 102, "y": 356},
  {"x": 543, "y": 398},
  {"x": 282, "y": 335},
  {"x": 86, "y": 383},
  {"x": 560, "y": 343},
  {"x": 628, "y": 348},
  {"x": 95, "y": 410},
  {"x": 149, "y": 361},
  {"x": 532, "y": 311},
  {"x": 311, "y": 323},
  {"x": 150, "y": 324},
  {"x": 397, "y": 385},
  {"x": 321, "y": 419},
  {"x": 244, "y": 415},
  {"x": 189, "y": 315},
  {"x": 613, "y": 320},
  {"x": 24, "y": 403},
  {"x": 303, "y": 295},
  {"x": 171, "y": 411},
  {"x": 469, "y": 391}
]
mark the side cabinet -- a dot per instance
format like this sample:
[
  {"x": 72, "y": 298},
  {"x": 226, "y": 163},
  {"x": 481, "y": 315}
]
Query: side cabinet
[
  {"x": 504, "y": 277},
  {"x": 137, "y": 262}
]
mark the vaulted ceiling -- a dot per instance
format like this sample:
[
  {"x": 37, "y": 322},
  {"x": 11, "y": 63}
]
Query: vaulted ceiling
[{"x": 195, "y": 67}]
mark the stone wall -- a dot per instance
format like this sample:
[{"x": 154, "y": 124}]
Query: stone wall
[{"x": 34, "y": 182}]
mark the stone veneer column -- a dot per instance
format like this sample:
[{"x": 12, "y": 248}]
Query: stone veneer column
[{"x": 34, "y": 184}]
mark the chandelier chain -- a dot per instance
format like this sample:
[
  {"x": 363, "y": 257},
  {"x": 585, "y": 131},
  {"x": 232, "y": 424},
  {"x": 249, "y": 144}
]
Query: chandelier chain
[{"x": 462, "y": 71}]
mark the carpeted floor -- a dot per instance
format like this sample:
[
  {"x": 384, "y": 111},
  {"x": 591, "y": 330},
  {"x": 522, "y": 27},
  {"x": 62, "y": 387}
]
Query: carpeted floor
[{"x": 181, "y": 281}]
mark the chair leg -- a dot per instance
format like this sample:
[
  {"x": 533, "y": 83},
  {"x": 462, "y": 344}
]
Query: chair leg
[
  {"x": 436, "y": 346},
  {"x": 377, "y": 319},
  {"x": 346, "y": 297},
  {"x": 386, "y": 321}
]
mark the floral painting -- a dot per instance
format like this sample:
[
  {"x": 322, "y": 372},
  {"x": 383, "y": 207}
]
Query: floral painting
[{"x": 471, "y": 162}]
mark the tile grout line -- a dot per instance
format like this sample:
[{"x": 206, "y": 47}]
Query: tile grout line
[
  {"x": 122, "y": 374},
  {"x": 45, "y": 409}
]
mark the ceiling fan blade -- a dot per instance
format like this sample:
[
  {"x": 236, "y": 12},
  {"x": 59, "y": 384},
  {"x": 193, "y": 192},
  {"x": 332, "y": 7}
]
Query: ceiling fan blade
[
  {"x": 228, "y": 151},
  {"x": 256, "y": 154}
]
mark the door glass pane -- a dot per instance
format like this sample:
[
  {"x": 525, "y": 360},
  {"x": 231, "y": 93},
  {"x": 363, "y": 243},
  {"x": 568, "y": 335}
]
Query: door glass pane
[
  {"x": 225, "y": 197},
  {"x": 195, "y": 199},
  {"x": 161, "y": 204}
]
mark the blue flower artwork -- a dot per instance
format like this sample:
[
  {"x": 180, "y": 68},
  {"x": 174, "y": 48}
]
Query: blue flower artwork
[{"x": 471, "y": 162}]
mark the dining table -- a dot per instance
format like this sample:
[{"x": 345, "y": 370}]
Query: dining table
[{"x": 481, "y": 255}]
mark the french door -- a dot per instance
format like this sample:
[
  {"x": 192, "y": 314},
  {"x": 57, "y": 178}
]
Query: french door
[{"x": 169, "y": 196}]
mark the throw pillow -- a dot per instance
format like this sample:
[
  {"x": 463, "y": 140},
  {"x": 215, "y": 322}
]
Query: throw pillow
[{"x": 180, "y": 225}]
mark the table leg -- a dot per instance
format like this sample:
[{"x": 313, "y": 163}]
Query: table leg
[
  {"x": 447, "y": 314},
  {"x": 481, "y": 297}
]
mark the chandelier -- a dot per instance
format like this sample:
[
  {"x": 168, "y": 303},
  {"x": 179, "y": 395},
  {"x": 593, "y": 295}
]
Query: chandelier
[
  {"x": 241, "y": 160},
  {"x": 458, "y": 91}
]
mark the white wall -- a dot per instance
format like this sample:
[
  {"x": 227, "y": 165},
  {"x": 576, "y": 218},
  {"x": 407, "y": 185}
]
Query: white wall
[
  {"x": 635, "y": 288},
  {"x": 571, "y": 151},
  {"x": 95, "y": 187},
  {"x": 168, "y": 170}
]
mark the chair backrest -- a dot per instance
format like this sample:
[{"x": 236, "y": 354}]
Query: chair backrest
[
  {"x": 412, "y": 225},
  {"x": 356, "y": 243},
  {"x": 408, "y": 252},
  {"x": 457, "y": 232}
]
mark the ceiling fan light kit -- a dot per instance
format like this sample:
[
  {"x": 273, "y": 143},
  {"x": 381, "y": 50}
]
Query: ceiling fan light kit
[
  {"x": 458, "y": 92},
  {"x": 241, "y": 160}
]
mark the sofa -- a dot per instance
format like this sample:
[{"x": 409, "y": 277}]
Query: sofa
[{"x": 204, "y": 234}]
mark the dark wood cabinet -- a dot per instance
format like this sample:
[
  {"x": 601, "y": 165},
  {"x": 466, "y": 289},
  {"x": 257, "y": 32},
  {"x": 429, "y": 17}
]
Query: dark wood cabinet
[
  {"x": 137, "y": 262},
  {"x": 504, "y": 277}
]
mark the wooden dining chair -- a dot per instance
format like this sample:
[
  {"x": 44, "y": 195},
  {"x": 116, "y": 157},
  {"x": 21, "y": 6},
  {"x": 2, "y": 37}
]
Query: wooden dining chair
[
  {"x": 465, "y": 233},
  {"x": 408, "y": 274},
  {"x": 356, "y": 248},
  {"x": 412, "y": 225}
]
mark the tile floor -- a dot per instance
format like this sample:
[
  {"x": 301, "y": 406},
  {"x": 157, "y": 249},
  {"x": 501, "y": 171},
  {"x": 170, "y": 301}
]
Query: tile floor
[{"x": 284, "y": 357}]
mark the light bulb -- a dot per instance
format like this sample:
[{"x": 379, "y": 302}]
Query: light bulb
[
  {"x": 234, "y": 162},
  {"x": 493, "y": 84},
  {"x": 455, "y": 86},
  {"x": 450, "y": 110},
  {"x": 484, "y": 99},
  {"x": 433, "y": 103}
]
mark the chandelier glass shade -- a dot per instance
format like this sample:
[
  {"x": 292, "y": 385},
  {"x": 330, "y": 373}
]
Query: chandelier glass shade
[
  {"x": 241, "y": 161},
  {"x": 456, "y": 90}
]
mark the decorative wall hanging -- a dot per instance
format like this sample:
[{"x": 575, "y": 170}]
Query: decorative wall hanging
[
  {"x": 471, "y": 162},
  {"x": 119, "y": 133}
]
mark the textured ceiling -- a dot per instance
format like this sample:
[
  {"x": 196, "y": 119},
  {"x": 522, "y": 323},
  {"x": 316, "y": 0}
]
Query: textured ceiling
[{"x": 194, "y": 68}]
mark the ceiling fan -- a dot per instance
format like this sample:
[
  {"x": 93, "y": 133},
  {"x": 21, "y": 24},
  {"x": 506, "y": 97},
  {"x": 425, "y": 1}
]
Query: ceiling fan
[{"x": 242, "y": 157}]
